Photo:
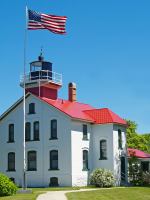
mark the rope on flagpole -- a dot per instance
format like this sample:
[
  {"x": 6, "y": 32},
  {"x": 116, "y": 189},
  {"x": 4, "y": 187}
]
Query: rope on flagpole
[{"x": 24, "y": 104}]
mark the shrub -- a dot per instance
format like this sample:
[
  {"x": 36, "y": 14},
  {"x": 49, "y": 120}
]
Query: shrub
[
  {"x": 135, "y": 172},
  {"x": 102, "y": 178},
  {"x": 7, "y": 187}
]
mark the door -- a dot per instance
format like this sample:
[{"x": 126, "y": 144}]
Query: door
[{"x": 123, "y": 169}]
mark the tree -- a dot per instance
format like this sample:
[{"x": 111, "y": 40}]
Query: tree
[
  {"x": 147, "y": 137},
  {"x": 135, "y": 140}
]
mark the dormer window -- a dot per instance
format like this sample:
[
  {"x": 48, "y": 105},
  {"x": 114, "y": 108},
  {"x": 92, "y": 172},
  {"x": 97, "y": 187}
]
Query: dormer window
[{"x": 32, "y": 108}]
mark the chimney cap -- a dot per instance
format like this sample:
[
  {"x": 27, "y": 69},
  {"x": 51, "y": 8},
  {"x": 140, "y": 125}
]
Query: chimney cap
[{"x": 71, "y": 84}]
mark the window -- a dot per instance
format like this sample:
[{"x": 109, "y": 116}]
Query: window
[
  {"x": 53, "y": 129},
  {"x": 85, "y": 134},
  {"x": 11, "y": 133},
  {"x": 103, "y": 150},
  {"x": 53, "y": 182},
  {"x": 32, "y": 161},
  {"x": 145, "y": 166},
  {"x": 54, "y": 160},
  {"x": 32, "y": 108},
  {"x": 11, "y": 161},
  {"x": 28, "y": 131},
  {"x": 119, "y": 139},
  {"x": 85, "y": 160},
  {"x": 36, "y": 131}
]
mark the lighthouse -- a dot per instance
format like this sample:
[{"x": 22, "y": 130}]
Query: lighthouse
[{"x": 64, "y": 140}]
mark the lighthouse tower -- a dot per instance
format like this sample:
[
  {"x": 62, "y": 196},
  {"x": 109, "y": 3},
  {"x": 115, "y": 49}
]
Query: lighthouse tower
[{"x": 41, "y": 80}]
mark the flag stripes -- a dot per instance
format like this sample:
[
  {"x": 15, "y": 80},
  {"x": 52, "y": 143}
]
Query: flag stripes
[{"x": 55, "y": 24}]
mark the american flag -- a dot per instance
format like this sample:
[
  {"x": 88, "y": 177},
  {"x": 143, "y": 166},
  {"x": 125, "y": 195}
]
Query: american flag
[{"x": 53, "y": 23}]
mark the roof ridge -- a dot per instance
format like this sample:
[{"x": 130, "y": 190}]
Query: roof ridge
[
  {"x": 97, "y": 109},
  {"x": 68, "y": 101},
  {"x": 110, "y": 113}
]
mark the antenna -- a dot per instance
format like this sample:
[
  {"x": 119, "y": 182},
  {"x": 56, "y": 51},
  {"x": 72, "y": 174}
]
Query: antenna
[{"x": 41, "y": 50}]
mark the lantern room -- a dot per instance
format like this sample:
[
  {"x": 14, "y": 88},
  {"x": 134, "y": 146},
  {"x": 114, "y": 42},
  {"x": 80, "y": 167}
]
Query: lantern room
[
  {"x": 41, "y": 79},
  {"x": 41, "y": 69}
]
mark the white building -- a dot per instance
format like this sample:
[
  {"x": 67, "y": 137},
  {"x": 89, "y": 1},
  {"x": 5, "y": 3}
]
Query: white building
[{"x": 65, "y": 140}]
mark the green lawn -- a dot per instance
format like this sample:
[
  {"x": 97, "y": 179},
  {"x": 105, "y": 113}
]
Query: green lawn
[
  {"x": 35, "y": 193},
  {"x": 134, "y": 193},
  {"x": 21, "y": 196}
]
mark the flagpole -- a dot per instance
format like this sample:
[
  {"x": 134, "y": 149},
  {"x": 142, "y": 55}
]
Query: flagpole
[{"x": 24, "y": 104}]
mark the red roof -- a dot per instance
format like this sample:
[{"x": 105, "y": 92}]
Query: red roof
[
  {"x": 105, "y": 115},
  {"x": 137, "y": 153},
  {"x": 85, "y": 112},
  {"x": 73, "y": 109}
]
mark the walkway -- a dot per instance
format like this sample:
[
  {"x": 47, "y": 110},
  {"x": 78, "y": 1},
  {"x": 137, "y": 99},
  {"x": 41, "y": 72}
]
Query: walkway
[{"x": 58, "y": 195}]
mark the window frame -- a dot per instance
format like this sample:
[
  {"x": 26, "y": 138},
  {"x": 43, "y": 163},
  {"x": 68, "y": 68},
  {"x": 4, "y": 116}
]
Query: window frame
[
  {"x": 36, "y": 133},
  {"x": 85, "y": 158},
  {"x": 11, "y": 133},
  {"x": 85, "y": 132},
  {"x": 31, "y": 108},
  {"x": 119, "y": 139},
  {"x": 27, "y": 139},
  {"x": 11, "y": 161},
  {"x": 29, "y": 168},
  {"x": 103, "y": 151},
  {"x": 53, "y": 160},
  {"x": 54, "y": 131}
]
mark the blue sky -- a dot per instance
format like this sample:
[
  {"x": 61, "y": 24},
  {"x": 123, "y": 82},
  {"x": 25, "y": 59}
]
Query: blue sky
[{"x": 106, "y": 52}]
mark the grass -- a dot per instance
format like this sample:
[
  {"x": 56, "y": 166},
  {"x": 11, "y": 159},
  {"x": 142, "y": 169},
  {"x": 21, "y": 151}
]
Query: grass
[
  {"x": 133, "y": 193},
  {"x": 22, "y": 196},
  {"x": 36, "y": 192}
]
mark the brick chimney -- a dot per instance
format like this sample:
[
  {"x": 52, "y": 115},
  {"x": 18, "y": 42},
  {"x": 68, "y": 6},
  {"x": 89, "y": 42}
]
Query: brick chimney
[{"x": 72, "y": 92}]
